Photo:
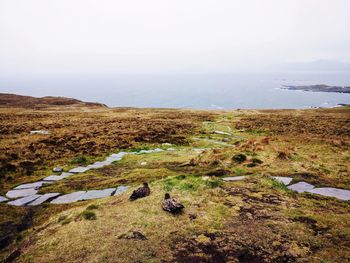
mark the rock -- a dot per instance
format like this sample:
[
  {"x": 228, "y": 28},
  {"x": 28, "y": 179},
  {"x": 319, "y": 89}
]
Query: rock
[
  {"x": 222, "y": 133},
  {"x": 57, "y": 169},
  {"x": 332, "y": 192},
  {"x": 57, "y": 177},
  {"x": 301, "y": 187},
  {"x": 166, "y": 144},
  {"x": 35, "y": 185},
  {"x": 120, "y": 190},
  {"x": 143, "y": 163},
  {"x": 283, "y": 180},
  {"x": 25, "y": 200},
  {"x": 133, "y": 235},
  {"x": 21, "y": 193},
  {"x": 79, "y": 169},
  {"x": 234, "y": 178},
  {"x": 3, "y": 199},
  {"x": 39, "y": 132},
  {"x": 171, "y": 149},
  {"x": 94, "y": 194},
  {"x": 68, "y": 198},
  {"x": 43, "y": 198}
]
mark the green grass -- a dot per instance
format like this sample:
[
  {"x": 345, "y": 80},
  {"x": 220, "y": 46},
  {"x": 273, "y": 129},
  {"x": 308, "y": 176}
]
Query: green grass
[{"x": 89, "y": 215}]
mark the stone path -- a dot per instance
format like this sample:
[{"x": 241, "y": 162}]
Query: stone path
[{"x": 302, "y": 187}]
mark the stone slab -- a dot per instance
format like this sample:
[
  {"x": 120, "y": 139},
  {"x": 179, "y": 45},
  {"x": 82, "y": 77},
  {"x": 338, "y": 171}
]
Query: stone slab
[
  {"x": 283, "y": 180},
  {"x": 23, "y": 201},
  {"x": 94, "y": 194},
  {"x": 119, "y": 155},
  {"x": 79, "y": 169},
  {"x": 222, "y": 133},
  {"x": 234, "y": 178},
  {"x": 301, "y": 187},
  {"x": 3, "y": 199},
  {"x": 120, "y": 189},
  {"x": 39, "y": 132},
  {"x": 68, "y": 198},
  {"x": 35, "y": 185},
  {"x": 43, "y": 199},
  {"x": 332, "y": 192},
  {"x": 21, "y": 193},
  {"x": 57, "y": 177}
]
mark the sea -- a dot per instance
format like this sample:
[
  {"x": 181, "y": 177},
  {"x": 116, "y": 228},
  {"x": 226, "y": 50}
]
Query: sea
[{"x": 196, "y": 91}]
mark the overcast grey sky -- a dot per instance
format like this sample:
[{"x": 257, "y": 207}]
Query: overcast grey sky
[{"x": 170, "y": 36}]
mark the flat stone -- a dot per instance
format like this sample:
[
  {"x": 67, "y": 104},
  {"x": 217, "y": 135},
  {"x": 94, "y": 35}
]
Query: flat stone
[
  {"x": 171, "y": 149},
  {"x": 79, "y": 169},
  {"x": 57, "y": 177},
  {"x": 23, "y": 201},
  {"x": 94, "y": 194},
  {"x": 283, "y": 180},
  {"x": 234, "y": 178},
  {"x": 43, "y": 198},
  {"x": 39, "y": 132},
  {"x": 120, "y": 189},
  {"x": 3, "y": 199},
  {"x": 222, "y": 133},
  {"x": 166, "y": 144},
  {"x": 21, "y": 193},
  {"x": 301, "y": 187},
  {"x": 57, "y": 169},
  {"x": 68, "y": 198},
  {"x": 119, "y": 155},
  {"x": 35, "y": 185},
  {"x": 332, "y": 192}
]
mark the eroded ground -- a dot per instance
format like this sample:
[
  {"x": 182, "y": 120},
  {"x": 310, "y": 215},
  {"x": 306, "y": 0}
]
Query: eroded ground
[{"x": 255, "y": 220}]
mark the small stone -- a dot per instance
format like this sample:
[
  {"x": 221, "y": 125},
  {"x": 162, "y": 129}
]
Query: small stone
[
  {"x": 3, "y": 199},
  {"x": 222, "y": 133},
  {"x": 94, "y": 194},
  {"x": 68, "y": 198},
  {"x": 57, "y": 169},
  {"x": 21, "y": 193},
  {"x": 43, "y": 198},
  {"x": 301, "y": 187},
  {"x": 332, "y": 192},
  {"x": 79, "y": 169},
  {"x": 166, "y": 144},
  {"x": 120, "y": 190},
  {"x": 234, "y": 178},
  {"x": 25, "y": 200},
  {"x": 39, "y": 132},
  {"x": 143, "y": 163},
  {"x": 283, "y": 180}
]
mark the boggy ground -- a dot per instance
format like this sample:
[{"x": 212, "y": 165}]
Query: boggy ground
[{"x": 255, "y": 220}]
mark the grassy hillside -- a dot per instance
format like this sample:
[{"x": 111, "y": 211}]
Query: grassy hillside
[{"x": 254, "y": 220}]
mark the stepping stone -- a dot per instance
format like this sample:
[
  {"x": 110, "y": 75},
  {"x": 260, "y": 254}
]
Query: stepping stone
[
  {"x": 222, "y": 133},
  {"x": 57, "y": 177},
  {"x": 68, "y": 198},
  {"x": 39, "y": 132},
  {"x": 98, "y": 165},
  {"x": 25, "y": 200},
  {"x": 166, "y": 144},
  {"x": 3, "y": 199},
  {"x": 158, "y": 150},
  {"x": 171, "y": 149},
  {"x": 119, "y": 155},
  {"x": 35, "y": 185},
  {"x": 283, "y": 180},
  {"x": 21, "y": 193},
  {"x": 94, "y": 194},
  {"x": 79, "y": 169},
  {"x": 301, "y": 187},
  {"x": 332, "y": 192},
  {"x": 43, "y": 198},
  {"x": 120, "y": 189},
  {"x": 234, "y": 178}
]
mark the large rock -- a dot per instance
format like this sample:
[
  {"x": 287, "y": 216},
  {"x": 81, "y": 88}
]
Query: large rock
[
  {"x": 68, "y": 198},
  {"x": 301, "y": 187},
  {"x": 43, "y": 198},
  {"x": 283, "y": 180},
  {"x": 79, "y": 169},
  {"x": 23, "y": 201},
  {"x": 332, "y": 192},
  {"x": 3, "y": 199},
  {"x": 94, "y": 194},
  {"x": 21, "y": 193}
]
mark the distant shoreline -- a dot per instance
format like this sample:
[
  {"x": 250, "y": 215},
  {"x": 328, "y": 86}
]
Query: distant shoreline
[{"x": 319, "y": 88}]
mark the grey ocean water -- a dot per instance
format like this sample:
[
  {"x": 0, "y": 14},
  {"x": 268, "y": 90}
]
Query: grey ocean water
[{"x": 202, "y": 91}]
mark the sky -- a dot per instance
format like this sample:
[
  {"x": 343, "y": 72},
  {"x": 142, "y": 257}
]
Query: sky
[{"x": 172, "y": 36}]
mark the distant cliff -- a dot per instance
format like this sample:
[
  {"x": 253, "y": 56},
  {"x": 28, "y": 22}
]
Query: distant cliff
[
  {"x": 319, "y": 88},
  {"x": 13, "y": 100}
]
